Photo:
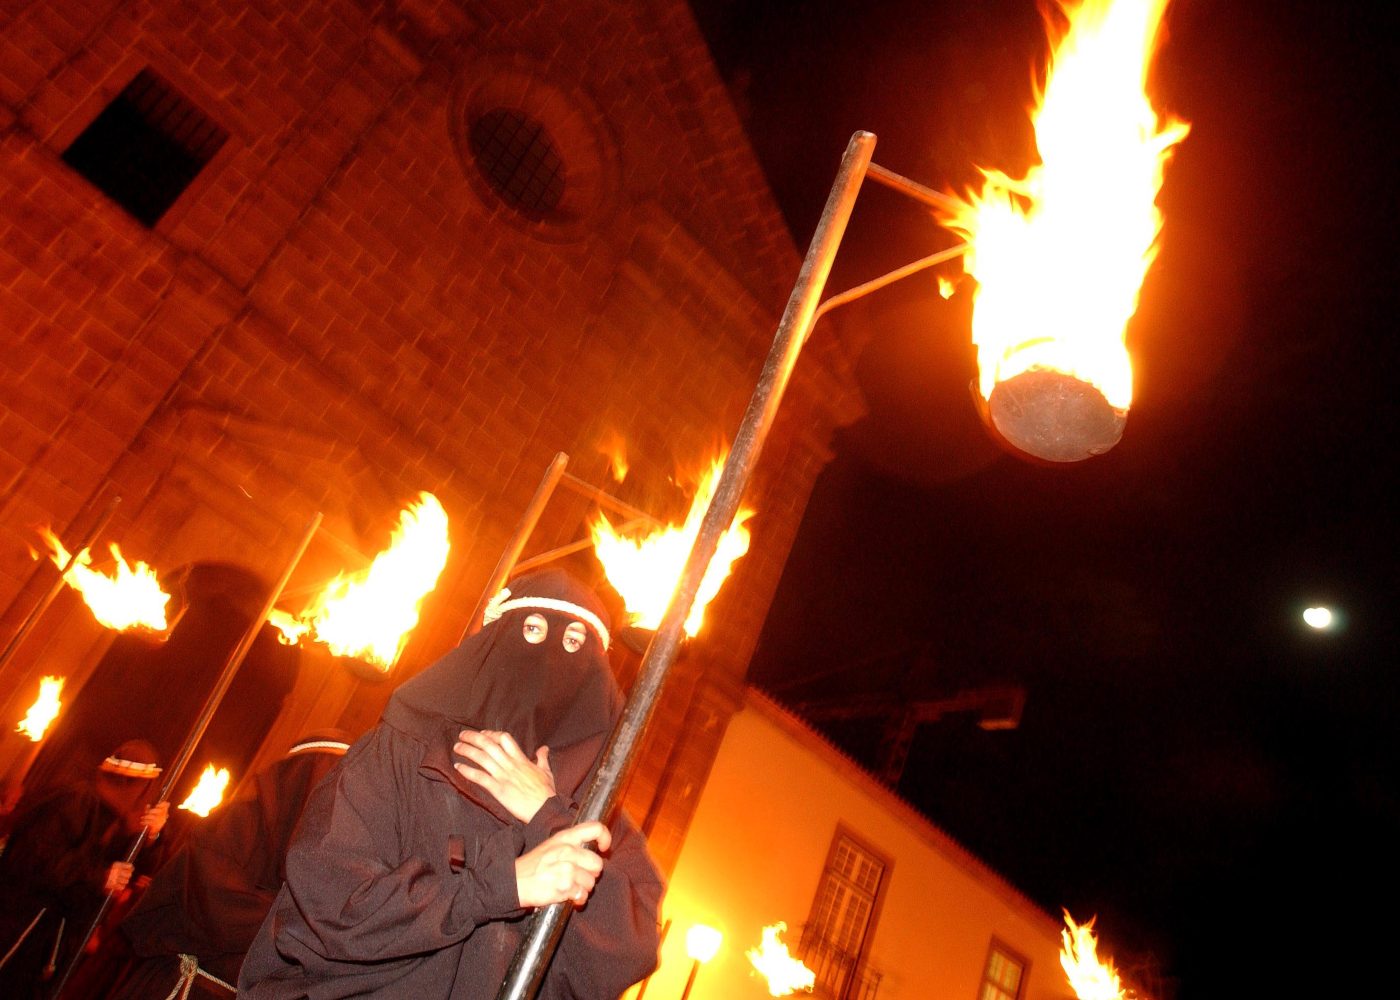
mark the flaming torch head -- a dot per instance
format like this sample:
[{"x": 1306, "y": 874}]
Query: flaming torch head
[
  {"x": 1090, "y": 977},
  {"x": 1060, "y": 255},
  {"x": 44, "y": 710},
  {"x": 208, "y": 792},
  {"x": 645, "y": 570},
  {"x": 128, "y": 597},
  {"x": 1054, "y": 416},
  {"x": 370, "y": 615}
]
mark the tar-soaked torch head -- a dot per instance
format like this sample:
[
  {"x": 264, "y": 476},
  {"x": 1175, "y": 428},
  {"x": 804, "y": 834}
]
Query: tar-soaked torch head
[{"x": 1053, "y": 416}]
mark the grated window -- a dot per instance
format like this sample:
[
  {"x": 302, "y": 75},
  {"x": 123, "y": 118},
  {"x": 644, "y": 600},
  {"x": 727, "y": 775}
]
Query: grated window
[
  {"x": 146, "y": 147},
  {"x": 519, "y": 160},
  {"x": 841, "y": 919}
]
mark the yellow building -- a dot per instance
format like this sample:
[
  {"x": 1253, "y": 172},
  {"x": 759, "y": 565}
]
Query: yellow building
[{"x": 878, "y": 901}]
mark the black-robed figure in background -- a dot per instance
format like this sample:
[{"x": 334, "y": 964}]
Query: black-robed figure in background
[
  {"x": 65, "y": 854},
  {"x": 411, "y": 877},
  {"x": 191, "y": 928}
]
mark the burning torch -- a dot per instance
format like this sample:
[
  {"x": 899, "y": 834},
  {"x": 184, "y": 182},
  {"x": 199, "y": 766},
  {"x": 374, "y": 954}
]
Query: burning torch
[
  {"x": 211, "y": 705},
  {"x": 1102, "y": 151},
  {"x": 34, "y": 726},
  {"x": 37, "y": 611}
]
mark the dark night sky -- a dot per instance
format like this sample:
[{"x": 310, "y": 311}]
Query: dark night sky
[{"x": 1220, "y": 786}]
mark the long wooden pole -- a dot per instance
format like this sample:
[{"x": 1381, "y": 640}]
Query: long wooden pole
[
  {"x": 546, "y": 925},
  {"x": 211, "y": 705},
  {"x": 516, "y": 545}
]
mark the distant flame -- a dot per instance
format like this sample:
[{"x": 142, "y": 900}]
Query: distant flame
[
  {"x": 946, "y": 287},
  {"x": 130, "y": 597},
  {"x": 1090, "y": 978},
  {"x": 645, "y": 570},
  {"x": 1060, "y": 255},
  {"x": 208, "y": 793},
  {"x": 369, "y": 615},
  {"x": 615, "y": 448},
  {"x": 784, "y": 973},
  {"x": 44, "y": 710}
]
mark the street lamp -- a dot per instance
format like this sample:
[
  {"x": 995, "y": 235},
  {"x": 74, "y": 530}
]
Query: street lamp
[{"x": 701, "y": 944}]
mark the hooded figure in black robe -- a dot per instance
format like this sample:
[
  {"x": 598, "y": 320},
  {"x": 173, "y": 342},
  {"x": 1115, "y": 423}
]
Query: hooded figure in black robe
[
  {"x": 65, "y": 855},
  {"x": 194, "y": 923},
  {"x": 406, "y": 877}
]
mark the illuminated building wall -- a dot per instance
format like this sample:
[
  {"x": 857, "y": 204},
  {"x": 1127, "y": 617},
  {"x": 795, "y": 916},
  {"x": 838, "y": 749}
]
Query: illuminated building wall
[
  {"x": 258, "y": 261},
  {"x": 760, "y": 850}
]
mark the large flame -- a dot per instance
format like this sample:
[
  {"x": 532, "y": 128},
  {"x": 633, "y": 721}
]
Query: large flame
[
  {"x": 645, "y": 570},
  {"x": 369, "y": 615},
  {"x": 208, "y": 792},
  {"x": 130, "y": 597},
  {"x": 1060, "y": 255},
  {"x": 1089, "y": 977},
  {"x": 44, "y": 710},
  {"x": 784, "y": 974}
]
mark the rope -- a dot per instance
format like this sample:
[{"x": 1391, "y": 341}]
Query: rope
[{"x": 189, "y": 969}]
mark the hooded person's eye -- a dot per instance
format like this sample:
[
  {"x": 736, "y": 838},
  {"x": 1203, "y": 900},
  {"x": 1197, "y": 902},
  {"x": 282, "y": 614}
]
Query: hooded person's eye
[
  {"x": 574, "y": 637},
  {"x": 535, "y": 629}
]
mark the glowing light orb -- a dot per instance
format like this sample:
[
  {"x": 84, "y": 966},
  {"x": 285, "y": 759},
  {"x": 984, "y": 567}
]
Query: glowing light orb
[
  {"x": 1319, "y": 618},
  {"x": 702, "y": 942}
]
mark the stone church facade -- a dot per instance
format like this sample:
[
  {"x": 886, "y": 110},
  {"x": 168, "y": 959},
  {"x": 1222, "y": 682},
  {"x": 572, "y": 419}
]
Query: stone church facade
[{"x": 263, "y": 260}]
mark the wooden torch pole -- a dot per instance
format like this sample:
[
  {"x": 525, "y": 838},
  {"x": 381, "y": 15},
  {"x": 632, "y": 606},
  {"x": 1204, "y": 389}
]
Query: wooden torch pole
[
  {"x": 211, "y": 705},
  {"x": 546, "y": 925},
  {"x": 512, "y": 551}
]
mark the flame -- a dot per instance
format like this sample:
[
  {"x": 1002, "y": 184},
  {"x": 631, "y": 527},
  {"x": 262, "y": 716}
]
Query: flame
[
  {"x": 946, "y": 287},
  {"x": 130, "y": 597},
  {"x": 44, "y": 710},
  {"x": 208, "y": 792},
  {"x": 291, "y": 629},
  {"x": 645, "y": 570},
  {"x": 615, "y": 448},
  {"x": 1090, "y": 978},
  {"x": 369, "y": 615},
  {"x": 784, "y": 973},
  {"x": 1060, "y": 255}
]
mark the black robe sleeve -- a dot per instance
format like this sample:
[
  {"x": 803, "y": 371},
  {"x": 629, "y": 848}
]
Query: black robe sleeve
[
  {"x": 212, "y": 895},
  {"x": 359, "y": 893},
  {"x": 60, "y": 851}
]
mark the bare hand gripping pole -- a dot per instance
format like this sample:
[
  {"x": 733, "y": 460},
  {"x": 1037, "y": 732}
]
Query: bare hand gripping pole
[{"x": 546, "y": 925}]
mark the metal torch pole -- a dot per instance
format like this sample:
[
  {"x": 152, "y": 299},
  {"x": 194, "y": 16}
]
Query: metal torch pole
[
  {"x": 36, "y": 612},
  {"x": 211, "y": 705},
  {"x": 512, "y": 551},
  {"x": 546, "y": 925}
]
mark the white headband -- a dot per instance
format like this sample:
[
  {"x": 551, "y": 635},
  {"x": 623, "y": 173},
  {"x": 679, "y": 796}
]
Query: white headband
[
  {"x": 500, "y": 605},
  {"x": 129, "y": 768},
  {"x": 334, "y": 746}
]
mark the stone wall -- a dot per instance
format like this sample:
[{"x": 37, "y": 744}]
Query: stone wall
[{"x": 341, "y": 311}]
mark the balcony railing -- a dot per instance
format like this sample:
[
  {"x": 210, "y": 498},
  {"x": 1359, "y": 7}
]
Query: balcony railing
[{"x": 840, "y": 974}]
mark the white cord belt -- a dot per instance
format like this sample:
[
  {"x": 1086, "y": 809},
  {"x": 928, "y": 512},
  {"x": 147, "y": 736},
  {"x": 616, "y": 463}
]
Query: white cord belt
[{"x": 189, "y": 969}]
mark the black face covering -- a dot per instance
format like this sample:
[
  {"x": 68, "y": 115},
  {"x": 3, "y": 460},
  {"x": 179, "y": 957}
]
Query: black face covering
[{"x": 540, "y": 693}]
